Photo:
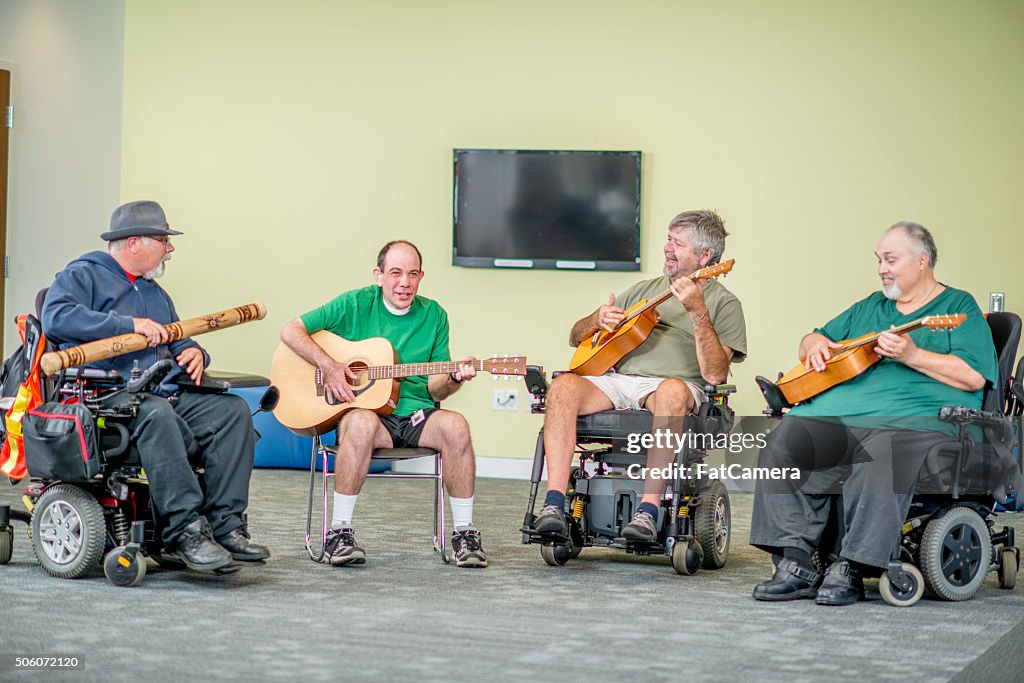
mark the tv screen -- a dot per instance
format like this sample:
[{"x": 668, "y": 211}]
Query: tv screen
[{"x": 546, "y": 209}]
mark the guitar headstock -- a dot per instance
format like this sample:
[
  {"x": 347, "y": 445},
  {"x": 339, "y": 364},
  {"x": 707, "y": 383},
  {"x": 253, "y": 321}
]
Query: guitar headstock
[
  {"x": 717, "y": 270},
  {"x": 507, "y": 366},
  {"x": 944, "y": 322}
]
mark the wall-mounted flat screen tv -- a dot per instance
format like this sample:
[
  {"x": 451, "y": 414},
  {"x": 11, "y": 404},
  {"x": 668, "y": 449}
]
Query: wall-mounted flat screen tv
[{"x": 572, "y": 210}]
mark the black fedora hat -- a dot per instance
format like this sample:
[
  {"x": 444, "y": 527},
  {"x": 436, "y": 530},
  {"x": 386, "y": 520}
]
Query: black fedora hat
[{"x": 138, "y": 219}]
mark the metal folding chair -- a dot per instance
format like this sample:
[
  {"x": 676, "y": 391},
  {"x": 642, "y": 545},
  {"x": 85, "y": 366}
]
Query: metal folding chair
[{"x": 320, "y": 454}]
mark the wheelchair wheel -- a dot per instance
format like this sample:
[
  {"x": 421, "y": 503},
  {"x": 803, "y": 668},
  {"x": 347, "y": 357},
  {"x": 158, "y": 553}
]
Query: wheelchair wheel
[
  {"x": 1009, "y": 560},
  {"x": 557, "y": 555},
  {"x": 902, "y": 598},
  {"x": 712, "y": 523},
  {"x": 68, "y": 531},
  {"x": 956, "y": 550},
  {"x": 687, "y": 557},
  {"x": 6, "y": 544},
  {"x": 122, "y": 571}
]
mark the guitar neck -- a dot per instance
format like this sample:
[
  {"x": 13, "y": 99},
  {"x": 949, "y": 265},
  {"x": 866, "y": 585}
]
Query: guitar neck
[
  {"x": 653, "y": 303},
  {"x": 417, "y": 369},
  {"x": 872, "y": 338}
]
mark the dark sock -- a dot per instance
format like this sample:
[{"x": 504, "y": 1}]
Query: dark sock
[
  {"x": 800, "y": 556},
  {"x": 863, "y": 569},
  {"x": 556, "y": 498},
  {"x": 649, "y": 508}
]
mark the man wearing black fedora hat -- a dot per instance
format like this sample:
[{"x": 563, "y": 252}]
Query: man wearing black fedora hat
[{"x": 105, "y": 294}]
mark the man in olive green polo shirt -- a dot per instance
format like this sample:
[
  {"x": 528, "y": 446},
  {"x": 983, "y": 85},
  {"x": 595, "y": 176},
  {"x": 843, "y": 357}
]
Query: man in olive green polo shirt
[
  {"x": 700, "y": 332},
  {"x": 417, "y": 328}
]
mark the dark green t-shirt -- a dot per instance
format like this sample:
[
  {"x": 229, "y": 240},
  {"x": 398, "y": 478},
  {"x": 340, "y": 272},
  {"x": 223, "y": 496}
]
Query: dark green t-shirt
[
  {"x": 671, "y": 351},
  {"x": 890, "y": 388},
  {"x": 419, "y": 336}
]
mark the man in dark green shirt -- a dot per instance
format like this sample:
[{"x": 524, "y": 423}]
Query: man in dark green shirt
[
  {"x": 876, "y": 428},
  {"x": 417, "y": 328}
]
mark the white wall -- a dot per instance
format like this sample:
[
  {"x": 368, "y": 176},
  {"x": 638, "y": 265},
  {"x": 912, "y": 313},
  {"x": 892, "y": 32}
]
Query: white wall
[{"x": 65, "y": 163}]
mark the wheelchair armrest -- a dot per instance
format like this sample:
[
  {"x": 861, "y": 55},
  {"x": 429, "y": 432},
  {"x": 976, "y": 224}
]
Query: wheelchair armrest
[
  {"x": 207, "y": 385},
  {"x": 777, "y": 403},
  {"x": 717, "y": 390},
  {"x": 93, "y": 375}
]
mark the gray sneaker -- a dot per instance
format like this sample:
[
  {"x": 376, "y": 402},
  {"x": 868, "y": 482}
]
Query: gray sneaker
[
  {"x": 468, "y": 550},
  {"x": 341, "y": 548},
  {"x": 551, "y": 520},
  {"x": 641, "y": 528}
]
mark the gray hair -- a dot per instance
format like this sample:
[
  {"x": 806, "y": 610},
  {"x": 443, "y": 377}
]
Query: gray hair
[
  {"x": 923, "y": 242},
  {"x": 114, "y": 246},
  {"x": 707, "y": 232}
]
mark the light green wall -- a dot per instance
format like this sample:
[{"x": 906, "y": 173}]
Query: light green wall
[{"x": 290, "y": 140}]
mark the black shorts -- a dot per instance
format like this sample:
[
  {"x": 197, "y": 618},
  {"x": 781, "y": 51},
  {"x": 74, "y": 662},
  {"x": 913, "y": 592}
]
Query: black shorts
[{"x": 403, "y": 432}]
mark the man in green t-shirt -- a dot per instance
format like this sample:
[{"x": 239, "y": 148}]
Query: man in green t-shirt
[
  {"x": 871, "y": 434},
  {"x": 417, "y": 328},
  {"x": 700, "y": 332}
]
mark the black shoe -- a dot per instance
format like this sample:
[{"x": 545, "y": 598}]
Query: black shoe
[
  {"x": 790, "y": 582},
  {"x": 551, "y": 522},
  {"x": 341, "y": 549},
  {"x": 196, "y": 549},
  {"x": 237, "y": 543},
  {"x": 467, "y": 549},
  {"x": 643, "y": 527},
  {"x": 843, "y": 585}
]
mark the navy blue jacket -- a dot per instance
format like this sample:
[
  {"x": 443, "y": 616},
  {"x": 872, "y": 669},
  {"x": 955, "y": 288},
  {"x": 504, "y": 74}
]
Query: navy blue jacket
[{"x": 92, "y": 298}]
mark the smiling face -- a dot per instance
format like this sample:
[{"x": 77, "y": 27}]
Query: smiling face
[
  {"x": 900, "y": 268},
  {"x": 680, "y": 257},
  {"x": 400, "y": 277}
]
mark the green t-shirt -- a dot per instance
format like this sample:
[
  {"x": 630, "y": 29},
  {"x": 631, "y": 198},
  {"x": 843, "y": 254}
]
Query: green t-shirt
[
  {"x": 419, "y": 336},
  {"x": 890, "y": 388},
  {"x": 670, "y": 351}
]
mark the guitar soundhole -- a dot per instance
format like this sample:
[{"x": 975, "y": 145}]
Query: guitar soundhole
[{"x": 362, "y": 382}]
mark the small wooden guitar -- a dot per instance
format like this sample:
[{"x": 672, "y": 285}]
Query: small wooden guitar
[
  {"x": 598, "y": 353},
  {"x": 304, "y": 407},
  {"x": 856, "y": 356}
]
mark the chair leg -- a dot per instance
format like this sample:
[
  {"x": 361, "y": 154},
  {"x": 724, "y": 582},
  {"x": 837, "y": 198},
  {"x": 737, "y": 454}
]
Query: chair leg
[
  {"x": 317, "y": 450},
  {"x": 440, "y": 537}
]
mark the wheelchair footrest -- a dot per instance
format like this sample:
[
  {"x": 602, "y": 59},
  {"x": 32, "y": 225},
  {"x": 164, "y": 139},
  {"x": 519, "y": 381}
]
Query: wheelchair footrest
[{"x": 531, "y": 535}]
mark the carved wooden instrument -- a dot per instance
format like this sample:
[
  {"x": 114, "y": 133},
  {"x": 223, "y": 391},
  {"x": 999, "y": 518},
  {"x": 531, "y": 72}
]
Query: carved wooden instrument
[
  {"x": 304, "y": 407},
  {"x": 856, "y": 356},
  {"x": 598, "y": 353},
  {"x": 101, "y": 349}
]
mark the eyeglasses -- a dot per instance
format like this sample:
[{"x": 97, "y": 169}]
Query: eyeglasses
[{"x": 162, "y": 240}]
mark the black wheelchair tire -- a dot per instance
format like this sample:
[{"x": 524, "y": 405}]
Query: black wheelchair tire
[
  {"x": 118, "y": 574},
  {"x": 946, "y": 574},
  {"x": 67, "y": 506},
  {"x": 6, "y": 544},
  {"x": 713, "y": 525}
]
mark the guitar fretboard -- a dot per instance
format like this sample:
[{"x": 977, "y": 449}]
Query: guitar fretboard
[{"x": 417, "y": 369}]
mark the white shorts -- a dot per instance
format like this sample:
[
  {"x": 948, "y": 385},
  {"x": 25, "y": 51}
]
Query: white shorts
[{"x": 627, "y": 392}]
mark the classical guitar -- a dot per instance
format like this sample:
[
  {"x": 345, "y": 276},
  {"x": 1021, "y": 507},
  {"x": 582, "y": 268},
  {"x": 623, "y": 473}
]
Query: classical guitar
[
  {"x": 304, "y": 407},
  {"x": 855, "y": 356},
  {"x": 599, "y": 352}
]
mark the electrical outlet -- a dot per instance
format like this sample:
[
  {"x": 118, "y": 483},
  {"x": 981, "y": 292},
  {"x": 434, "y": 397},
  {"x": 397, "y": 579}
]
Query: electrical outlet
[
  {"x": 996, "y": 301},
  {"x": 505, "y": 399}
]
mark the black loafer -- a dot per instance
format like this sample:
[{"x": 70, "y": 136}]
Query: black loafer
[
  {"x": 196, "y": 549},
  {"x": 241, "y": 548},
  {"x": 843, "y": 585},
  {"x": 790, "y": 582}
]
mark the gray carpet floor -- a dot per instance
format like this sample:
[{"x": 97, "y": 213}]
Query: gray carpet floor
[{"x": 406, "y": 616}]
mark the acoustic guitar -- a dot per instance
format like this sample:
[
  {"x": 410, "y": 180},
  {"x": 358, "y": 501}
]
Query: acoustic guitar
[
  {"x": 304, "y": 407},
  {"x": 855, "y": 356},
  {"x": 602, "y": 350}
]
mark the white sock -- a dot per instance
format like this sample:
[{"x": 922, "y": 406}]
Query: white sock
[
  {"x": 462, "y": 512},
  {"x": 343, "y": 507}
]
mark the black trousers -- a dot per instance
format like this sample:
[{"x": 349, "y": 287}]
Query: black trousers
[
  {"x": 220, "y": 424},
  {"x": 875, "y": 471}
]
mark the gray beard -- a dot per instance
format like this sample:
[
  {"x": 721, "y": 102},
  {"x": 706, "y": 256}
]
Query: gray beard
[
  {"x": 893, "y": 292},
  {"x": 155, "y": 274}
]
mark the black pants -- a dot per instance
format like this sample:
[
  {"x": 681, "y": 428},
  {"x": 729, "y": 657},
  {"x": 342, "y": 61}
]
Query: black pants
[
  {"x": 874, "y": 470},
  {"x": 221, "y": 426}
]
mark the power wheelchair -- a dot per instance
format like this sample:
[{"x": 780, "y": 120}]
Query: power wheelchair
[
  {"x": 694, "y": 517},
  {"x": 74, "y": 524},
  {"x": 950, "y": 540}
]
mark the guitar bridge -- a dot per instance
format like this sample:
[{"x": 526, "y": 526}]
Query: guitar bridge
[{"x": 318, "y": 380}]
